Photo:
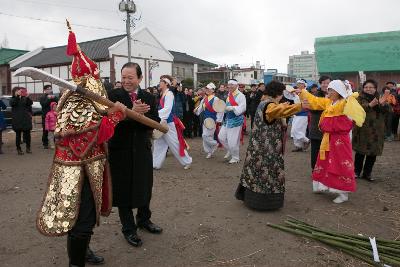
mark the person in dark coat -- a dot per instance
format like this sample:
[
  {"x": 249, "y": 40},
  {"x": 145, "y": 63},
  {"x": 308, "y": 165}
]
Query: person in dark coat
[
  {"x": 130, "y": 157},
  {"x": 45, "y": 102},
  {"x": 253, "y": 103},
  {"x": 188, "y": 115},
  {"x": 314, "y": 133},
  {"x": 3, "y": 124},
  {"x": 21, "y": 113},
  {"x": 368, "y": 140}
]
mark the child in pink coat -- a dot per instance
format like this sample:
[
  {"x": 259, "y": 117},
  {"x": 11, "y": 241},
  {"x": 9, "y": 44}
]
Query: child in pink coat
[{"x": 50, "y": 123}]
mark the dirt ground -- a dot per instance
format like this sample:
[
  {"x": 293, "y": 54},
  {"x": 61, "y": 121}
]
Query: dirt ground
[{"x": 204, "y": 225}]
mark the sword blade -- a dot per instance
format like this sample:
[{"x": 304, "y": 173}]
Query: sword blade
[{"x": 38, "y": 74}]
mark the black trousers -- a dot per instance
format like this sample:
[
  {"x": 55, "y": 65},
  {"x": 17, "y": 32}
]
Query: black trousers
[
  {"x": 252, "y": 115},
  {"x": 315, "y": 145},
  {"x": 395, "y": 123},
  {"x": 86, "y": 221},
  {"x": 366, "y": 167},
  {"x": 188, "y": 122},
  {"x": 45, "y": 134},
  {"x": 128, "y": 220},
  {"x": 27, "y": 138},
  {"x": 196, "y": 126}
]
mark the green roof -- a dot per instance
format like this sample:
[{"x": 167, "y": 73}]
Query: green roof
[
  {"x": 7, "y": 54},
  {"x": 361, "y": 52}
]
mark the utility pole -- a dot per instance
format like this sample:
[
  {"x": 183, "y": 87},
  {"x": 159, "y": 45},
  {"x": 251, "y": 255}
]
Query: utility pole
[{"x": 129, "y": 7}]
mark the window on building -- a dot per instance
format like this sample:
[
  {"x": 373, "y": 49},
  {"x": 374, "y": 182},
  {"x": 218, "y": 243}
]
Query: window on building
[{"x": 176, "y": 71}]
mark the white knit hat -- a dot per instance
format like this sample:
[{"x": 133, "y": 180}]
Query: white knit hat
[{"x": 339, "y": 87}]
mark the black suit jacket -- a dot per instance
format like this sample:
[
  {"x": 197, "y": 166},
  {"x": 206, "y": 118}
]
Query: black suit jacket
[{"x": 130, "y": 154}]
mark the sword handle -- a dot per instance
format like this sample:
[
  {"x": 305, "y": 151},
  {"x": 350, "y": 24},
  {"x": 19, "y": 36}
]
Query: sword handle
[{"x": 129, "y": 113}]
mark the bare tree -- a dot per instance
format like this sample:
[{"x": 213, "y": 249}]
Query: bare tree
[{"x": 4, "y": 43}]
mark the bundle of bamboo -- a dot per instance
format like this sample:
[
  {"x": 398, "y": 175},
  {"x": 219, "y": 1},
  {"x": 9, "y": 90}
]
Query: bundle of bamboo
[{"x": 354, "y": 245}]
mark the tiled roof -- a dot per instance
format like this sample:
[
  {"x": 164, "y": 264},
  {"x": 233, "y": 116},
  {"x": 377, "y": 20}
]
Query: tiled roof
[
  {"x": 7, "y": 54},
  {"x": 185, "y": 58},
  {"x": 95, "y": 49}
]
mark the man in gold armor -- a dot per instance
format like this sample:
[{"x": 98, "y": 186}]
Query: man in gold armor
[{"x": 79, "y": 186}]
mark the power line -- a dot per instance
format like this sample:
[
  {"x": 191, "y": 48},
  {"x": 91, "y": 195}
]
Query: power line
[
  {"x": 62, "y": 22},
  {"x": 63, "y": 5}
]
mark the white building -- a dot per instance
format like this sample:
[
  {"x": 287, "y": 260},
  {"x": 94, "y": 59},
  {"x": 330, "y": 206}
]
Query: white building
[
  {"x": 246, "y": 76},
  {"x": 303, "y": 66},
  {"x": 110, "y": 54}
]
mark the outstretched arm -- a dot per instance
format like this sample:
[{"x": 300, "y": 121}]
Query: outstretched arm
[
  {"x": 276, "y": 111},
  {"x": 315, "y": 103}
]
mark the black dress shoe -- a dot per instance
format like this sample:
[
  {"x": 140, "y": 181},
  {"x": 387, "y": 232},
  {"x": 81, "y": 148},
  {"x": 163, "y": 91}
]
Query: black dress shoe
[
  {"x": 134, "y": 240},
  {"x": 92, "y": 258},
  {"x": 151, "y": 227},
  {"x": 368, "y": 178}
]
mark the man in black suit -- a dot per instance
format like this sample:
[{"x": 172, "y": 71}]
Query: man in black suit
[{"x": 130, "y": 157}]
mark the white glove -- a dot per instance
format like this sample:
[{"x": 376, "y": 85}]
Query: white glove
[{"x": 229, "y": 108}]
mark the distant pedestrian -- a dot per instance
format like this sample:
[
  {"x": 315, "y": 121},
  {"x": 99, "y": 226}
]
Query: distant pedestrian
[
  {"x": 3, "y": 124},
  {"x": 107, "y": 85},
  {"x": 314, "y": 89},
  {"x": 47, "y": 98},
  {"x": 117, "y": 85},
  {"x": 299, "y": 125},
  {"x": 251, "y": 110},
  {"x": 50, "y": 123},
  {"x": 188, "y": 113},
  {"x": 222, "y": 92},
  {"x": 21, "y": 108},
  {"x": 197, "y": 119}
]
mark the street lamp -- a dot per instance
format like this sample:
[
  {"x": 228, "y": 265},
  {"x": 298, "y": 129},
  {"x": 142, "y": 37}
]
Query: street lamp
[{"x": 129, "y": 7}]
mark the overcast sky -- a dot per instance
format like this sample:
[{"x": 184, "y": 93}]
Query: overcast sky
[{"x": 220, "y": 31}]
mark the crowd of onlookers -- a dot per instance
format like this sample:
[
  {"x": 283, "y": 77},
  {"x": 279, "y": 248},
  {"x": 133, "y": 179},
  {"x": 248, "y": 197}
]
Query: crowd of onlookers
[{"x": 186, "y": 100}]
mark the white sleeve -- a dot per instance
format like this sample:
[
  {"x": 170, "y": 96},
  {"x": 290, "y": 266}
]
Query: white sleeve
[
  {"x": 200, "y": 108},
  {"x": 241, "y": 108},
  {"x": 220, "y": 116},
  {"x": 168, "y": 103}
]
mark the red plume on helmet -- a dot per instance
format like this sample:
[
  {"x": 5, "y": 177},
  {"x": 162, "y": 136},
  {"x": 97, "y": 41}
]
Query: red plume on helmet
[{"x": 82, "y": 65}]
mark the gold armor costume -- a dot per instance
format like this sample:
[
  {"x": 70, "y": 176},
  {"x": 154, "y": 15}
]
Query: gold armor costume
[{"x": 81, "y": 131}]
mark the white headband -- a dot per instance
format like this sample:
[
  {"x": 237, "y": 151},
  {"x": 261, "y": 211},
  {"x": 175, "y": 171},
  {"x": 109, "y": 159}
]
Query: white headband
[
  {"x": 166, "y": 80},
  {"x": 301, "y": 81},
  {"x": 233, "y": 82},
  {"x": 211, "y": 86}
]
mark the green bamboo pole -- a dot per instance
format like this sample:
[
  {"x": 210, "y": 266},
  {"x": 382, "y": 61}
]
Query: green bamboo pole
[
  {"x": 371, "y": 262},
  {"x": 384, "y": 256},
  {"x": 331, "y": 243},
  {"x": 339, "y": 245},
  {"x": 365, "y": 244},
  {"x": 392, "y": 243},
  {"x": 314, "y": 229}
]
